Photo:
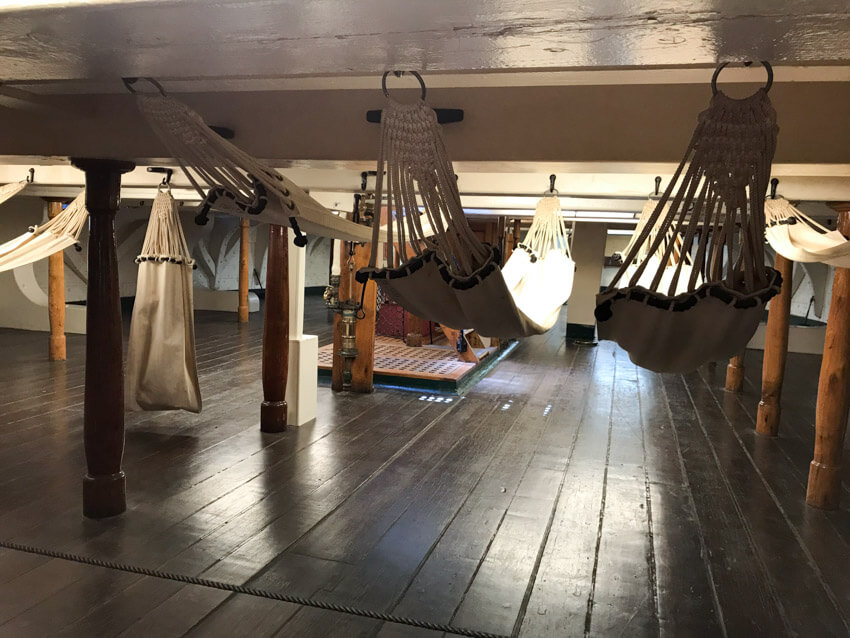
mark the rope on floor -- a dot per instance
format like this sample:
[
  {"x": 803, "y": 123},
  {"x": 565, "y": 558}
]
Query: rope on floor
[{"x": 250, "y": 591}]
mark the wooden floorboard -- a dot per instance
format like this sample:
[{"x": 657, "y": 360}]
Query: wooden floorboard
[{"x": 568, "y": 493}]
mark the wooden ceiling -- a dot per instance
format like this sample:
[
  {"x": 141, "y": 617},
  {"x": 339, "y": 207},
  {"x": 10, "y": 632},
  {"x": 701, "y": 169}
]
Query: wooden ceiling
[{"x": 97, "y": 39}]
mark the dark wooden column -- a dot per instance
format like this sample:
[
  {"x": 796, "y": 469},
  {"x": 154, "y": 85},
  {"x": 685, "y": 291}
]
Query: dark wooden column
[
  {"x": 56, "y": 293},
  {"x": 276, "y": 332},
  {"x": 775, "y": 352},
  {"x": 735, "y": 373},
  {"x": 103, "y": 420},
  {"x": 824, "y": 487},
  {"x": 244, "y": 269}
]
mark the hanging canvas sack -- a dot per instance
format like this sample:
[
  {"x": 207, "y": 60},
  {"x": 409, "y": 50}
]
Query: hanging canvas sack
[{"x": 161, "y": 369}]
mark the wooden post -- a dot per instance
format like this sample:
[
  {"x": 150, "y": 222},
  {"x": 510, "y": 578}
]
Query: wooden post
[
  {"x": 343, "y": 294},
  {"x": 413, "y": 330},
  {"x": 244, "y": 269},
  {"x": 775, "y": 352},
  {"x": 273, "y": 414},
  {"x": 735, "y": 373},
  {"x": 824, "y": 488},
  {"x": 56, "y": 293},
  {"x": 363, "y": 366},
  {"x": 103, "y": 411}
]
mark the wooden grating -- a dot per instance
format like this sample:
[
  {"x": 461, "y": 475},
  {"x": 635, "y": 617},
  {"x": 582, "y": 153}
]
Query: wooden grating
[{"x": 393, "y": 357}]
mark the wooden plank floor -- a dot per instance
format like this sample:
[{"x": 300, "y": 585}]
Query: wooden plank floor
[{"x": 569, "y": 493}]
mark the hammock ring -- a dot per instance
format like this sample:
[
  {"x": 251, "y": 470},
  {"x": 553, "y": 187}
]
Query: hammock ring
[
  {"x": 723, "y": 65},
  {"x": 398, "y": 74},
  {"x": 129, "y": 82}
]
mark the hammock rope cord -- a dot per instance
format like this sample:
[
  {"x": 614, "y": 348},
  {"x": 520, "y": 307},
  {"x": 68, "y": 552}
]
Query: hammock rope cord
[
  {"x": 164, "y": 239},
  {"x": 413, "y": 154},
  {"x": 53, "y": 236},
  {"x": 238, "y": 183},
  {"x": 798, "y": 237},
  {"x": 703, "y": 238},
  {"x": 8, "y": 191}
]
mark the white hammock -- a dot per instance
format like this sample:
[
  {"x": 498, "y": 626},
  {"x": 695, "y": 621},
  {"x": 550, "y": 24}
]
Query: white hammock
[
  {"x": 240, "y": 185},
  {"x": 8, "y": 191},
  {"x": 540, "y": 271},
  {"x": 702, "y": 247},
  {"x": 42, "y": 241},
  {"x": 161, "y": 369},
  {"x": 451, "y": 278},
  {"x": 798, "y": 237},
  {"x": 671, "y": 266}
]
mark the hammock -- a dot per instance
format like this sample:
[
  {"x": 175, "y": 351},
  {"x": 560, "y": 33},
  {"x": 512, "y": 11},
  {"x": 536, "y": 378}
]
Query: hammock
[
  {"x": 798, "y": 237},
  {"x": 161, "y": 369},
  {"x": 708, "y": 226},
  {"x": 42, "y": 241},
  {"x": 451, "y": 278},
  {"x": 671, "y": 265},
  {"x": 239, "y": 184},
  {"x": 539, "y": 272},
  {"x": 8, "y": 191}
]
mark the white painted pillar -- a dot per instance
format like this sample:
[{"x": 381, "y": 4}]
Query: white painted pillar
[
  {"x": 302, "y": 384},
  {"x": 588, "y": 250}
]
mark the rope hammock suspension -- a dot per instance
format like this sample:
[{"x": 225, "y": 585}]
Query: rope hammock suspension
[
  {"x": 450, "y": 278},
  {"x": 161, "y": 369},
  {"x": 693, "y": 284},
  {"x": 53, "y": 236},
  {"x": 238, "y": 184},
  {"x": 8, "y": 191},
  {"x": 654, "y": 260},
  {"x": 798, "y": 237},
  {"x": 540, "y": 270}
]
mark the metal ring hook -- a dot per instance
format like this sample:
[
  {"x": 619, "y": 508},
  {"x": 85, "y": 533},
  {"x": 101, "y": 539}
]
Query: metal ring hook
[
  {"x": 723, "y": 65},
  {"x": 398, "y": 74},
  {"x": 129, "y": 82}
]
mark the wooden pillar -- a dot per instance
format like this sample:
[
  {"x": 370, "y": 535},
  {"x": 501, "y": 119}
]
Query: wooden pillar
[
  {"x": 276, "y": 332},
  {"x": 103, "y": 416},
  {"x": 735, "y": 373},
  {"x": 413, "y": 330},
  {"x": 824, "y": 488},
  {"x": 56, "y": 293},
  {"x": 775, "y": 352},
  {"x": 343, "y": 293},
  {"x": 244, "y": 269},
  {"x": 363, "y": 366}
]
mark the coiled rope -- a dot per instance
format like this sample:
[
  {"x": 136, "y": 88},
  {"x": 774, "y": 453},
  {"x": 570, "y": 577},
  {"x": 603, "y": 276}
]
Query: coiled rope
[{"x": 249, "y": 591}]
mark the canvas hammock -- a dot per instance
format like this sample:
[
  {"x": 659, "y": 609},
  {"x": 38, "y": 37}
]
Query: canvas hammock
[
  {"x": 450, "y": 278},
  {"x": 654, "y": 260},
  {"x": 161, "y": 371},
  {"x": 53, "y": 236},
  {"x": 239, "y": 184},
  {"x": 540, "y": 270},
  {"x": 709, "y": 304},
  {"x": 798, "y": 237}
]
